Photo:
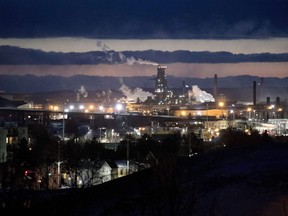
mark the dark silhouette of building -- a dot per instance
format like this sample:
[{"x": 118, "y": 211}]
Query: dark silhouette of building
[
  {"x": 254, "y": 93},
  {"x": 161, "y": 88},
  {"x": 215, "y": 86}
]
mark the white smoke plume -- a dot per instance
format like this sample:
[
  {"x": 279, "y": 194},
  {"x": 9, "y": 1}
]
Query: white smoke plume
[
  {"x": 82, "y": 91},
  {"x": 106, "y": 50},
  {"x": 132, "y": 60},
  {"x": 199, "y": 95},
  {"x": 123, "y": 59},
  {"x": 133, "y": 95}
]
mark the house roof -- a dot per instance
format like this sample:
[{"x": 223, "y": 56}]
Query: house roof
[{"x": 5, "y": 103}]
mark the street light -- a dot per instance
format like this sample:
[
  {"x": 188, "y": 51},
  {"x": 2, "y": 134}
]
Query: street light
[
  {"x": 221, "y": 105},
  {"x": 232, "y": 112},
  {"x": 249, "y": 109},
  {"x": 279, "y": 113},
  {"x": 119, "y": 107},
  {"x": 101, "y": 108}
]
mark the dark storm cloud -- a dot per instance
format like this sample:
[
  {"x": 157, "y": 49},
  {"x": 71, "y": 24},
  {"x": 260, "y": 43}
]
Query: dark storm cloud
[{"x": 144, "y": 18}]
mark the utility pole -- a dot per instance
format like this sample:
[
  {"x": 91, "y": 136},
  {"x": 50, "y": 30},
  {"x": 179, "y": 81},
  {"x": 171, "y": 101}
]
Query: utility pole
[
  {"x": 58, "y": 165},
  {"x": 189, "y": 145},
  {"x": 58, "y": 156},
  {"x": 127, "y": 156}
]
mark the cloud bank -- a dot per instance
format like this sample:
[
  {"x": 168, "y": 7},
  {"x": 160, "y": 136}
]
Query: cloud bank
[{"x": 144, "y": 19}]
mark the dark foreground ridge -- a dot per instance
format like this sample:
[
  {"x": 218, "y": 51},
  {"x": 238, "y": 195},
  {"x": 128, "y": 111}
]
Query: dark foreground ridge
[{"x": 229, "y": 181}]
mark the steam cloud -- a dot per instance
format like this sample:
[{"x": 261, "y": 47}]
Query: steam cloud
[
  {"x": 81, "y": 91},
  {"x": 133, "y": 95},
  {"x": 199, "y": 95},
  {"x": 123, "y": 59}
]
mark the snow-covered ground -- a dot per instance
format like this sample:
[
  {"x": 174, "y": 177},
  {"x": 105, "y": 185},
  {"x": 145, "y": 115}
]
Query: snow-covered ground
[{"x": 250, "y": 181}]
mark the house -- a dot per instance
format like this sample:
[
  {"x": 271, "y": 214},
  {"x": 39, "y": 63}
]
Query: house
[
  {"x": 89, "y": 173},
  {"x": 124, "y": 169},
  {"x": 3, "y": 145}
]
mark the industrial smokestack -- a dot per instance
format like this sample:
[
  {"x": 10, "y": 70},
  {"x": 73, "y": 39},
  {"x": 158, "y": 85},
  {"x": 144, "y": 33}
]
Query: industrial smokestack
[
  {"x": 277, "y": 101},
  {"x": 161, "y": 86},
  {"x": 215, "y": 86},
  {"x": 268, "y": 101},
  {"x": 254, "y": 93},
  {"x": 261, "y": 96},
  {"x": 183, "y": 87}
]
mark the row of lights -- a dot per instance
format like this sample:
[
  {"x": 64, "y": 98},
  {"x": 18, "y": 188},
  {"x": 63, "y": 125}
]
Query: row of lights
[{"x": 119, "y": 107}]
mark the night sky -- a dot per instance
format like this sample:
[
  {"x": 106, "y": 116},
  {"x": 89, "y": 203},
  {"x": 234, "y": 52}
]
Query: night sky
[
  {"x": 237, "y": 26},
  {"x": 144, "y": 18}
]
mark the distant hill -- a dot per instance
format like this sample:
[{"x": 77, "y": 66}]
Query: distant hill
[
  {"x": 32, "y": 83},
  {"x": 10, "y": 55},
  {"x": 239, "y": 87}
]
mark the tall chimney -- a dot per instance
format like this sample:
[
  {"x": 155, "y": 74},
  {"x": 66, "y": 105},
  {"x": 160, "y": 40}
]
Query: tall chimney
[
  {"x": 261, "y": 96},
  {"x": 254, "y": 93},
  {"x": 215, "y": 86},
  {"x": 277, "y": 101},
  {"x": 268, "y": 101}
]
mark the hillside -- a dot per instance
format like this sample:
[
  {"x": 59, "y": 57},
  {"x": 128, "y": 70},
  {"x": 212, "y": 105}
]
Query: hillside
[
  {"x": 246, "y": 181},
  {"x": 234, "y": 87}
]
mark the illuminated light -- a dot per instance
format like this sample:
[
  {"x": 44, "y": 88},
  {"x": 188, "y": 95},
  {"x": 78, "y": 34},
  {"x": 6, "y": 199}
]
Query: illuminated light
[
  {"x": 249, "y": 109},
  {"x": 119, "y": 107},
  {"x": 66, "y": 110},
  {"x": 71, "y": 107},
  {"x": 221, "y": 103},
  {"x": 91, "y": 107},
  {"x": 183, "y": 113},
  {"x": 86, "y": 110},
  {"x": 81, "y": 107},
  {"x": 101, "y": 108}
]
